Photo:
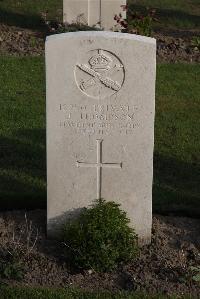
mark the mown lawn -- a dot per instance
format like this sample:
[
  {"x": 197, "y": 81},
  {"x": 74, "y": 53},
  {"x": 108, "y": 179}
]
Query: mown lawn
[
  {"x": 172, "y": 14},
  {"x": 177, "y": 142},
  {"x": 29, "y": 13},
  {"x": 181, "y": 14},
  {"x": 22, "y": 136},
  {"x": 25, "y": 293},
  {"x": 22, "y": 132}
]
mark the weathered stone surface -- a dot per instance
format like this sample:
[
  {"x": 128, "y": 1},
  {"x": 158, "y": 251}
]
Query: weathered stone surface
[
  {"x": 75, "y": 11},
  {"x": 98, "y": 13},
  {"x": 100, "y": 124}
]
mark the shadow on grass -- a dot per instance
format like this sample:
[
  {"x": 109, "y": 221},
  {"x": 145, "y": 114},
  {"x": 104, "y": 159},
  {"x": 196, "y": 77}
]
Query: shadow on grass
[
  {"x": 171, "y": 17},
  {"x": 176, "y": 187},
  {"x": 28, "y": 21},
  {"x": 23, "y": 170}
]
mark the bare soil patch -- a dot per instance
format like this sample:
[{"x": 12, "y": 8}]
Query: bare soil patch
[
  {"x": 164, "y": 266},
  {"x": 176, "y": 49},
  {"x": 171, "y": 46},
  {"x": 21, "y": 42}
]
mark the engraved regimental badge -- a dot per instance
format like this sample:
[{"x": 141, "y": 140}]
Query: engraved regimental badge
[{"x": 100, "y": 74}]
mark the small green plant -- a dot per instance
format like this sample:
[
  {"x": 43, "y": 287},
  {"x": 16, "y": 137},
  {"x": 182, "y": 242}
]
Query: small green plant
[
  {"x": 195, "y": 273},
  {"x": 100, "y": 238},
  {"x": 14, "y": 254},
  {"x": 33, "y": 41},
  {"x": 13, "y": 271},
  {"x": 136, "y": 22},
  {"x": 195, "y": 42},
  {"x": 11, "y": 267},
  {"x": 192, "y": 275}
]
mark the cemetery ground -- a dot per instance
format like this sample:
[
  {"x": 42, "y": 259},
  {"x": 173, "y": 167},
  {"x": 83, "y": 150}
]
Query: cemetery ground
[
  {"x": 166, "y": 265},
  {"x": 25, "y": 24}
]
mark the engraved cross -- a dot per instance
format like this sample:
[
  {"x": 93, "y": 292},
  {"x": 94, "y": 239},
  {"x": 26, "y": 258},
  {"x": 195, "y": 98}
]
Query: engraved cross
[{"x": 99, "y": 165}]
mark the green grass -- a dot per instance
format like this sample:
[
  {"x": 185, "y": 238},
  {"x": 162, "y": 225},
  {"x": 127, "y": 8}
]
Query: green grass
[
  {"x": 22, "y": 136},
  {"x": 27, "y": 13},
  {"x": 177, "y": 142},
  {"x": 41, "y": 293},
  {"x": 182, "y": 14},
  {"x": 22, "y": 132},
  {"x": 172, "y": 14}
]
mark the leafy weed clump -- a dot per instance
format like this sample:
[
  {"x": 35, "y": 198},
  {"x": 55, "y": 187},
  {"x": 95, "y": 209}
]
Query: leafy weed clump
[
  {"x": 11, "y": 266},
  {"x": 100, "y": 238},
  {"x": 136, "y": 23}
]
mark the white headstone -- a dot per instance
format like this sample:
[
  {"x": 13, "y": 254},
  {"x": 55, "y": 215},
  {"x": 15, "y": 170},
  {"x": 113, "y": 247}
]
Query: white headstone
[
  {"x": 99, "y": 13},
  {"x": 100, "y": 124}
]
